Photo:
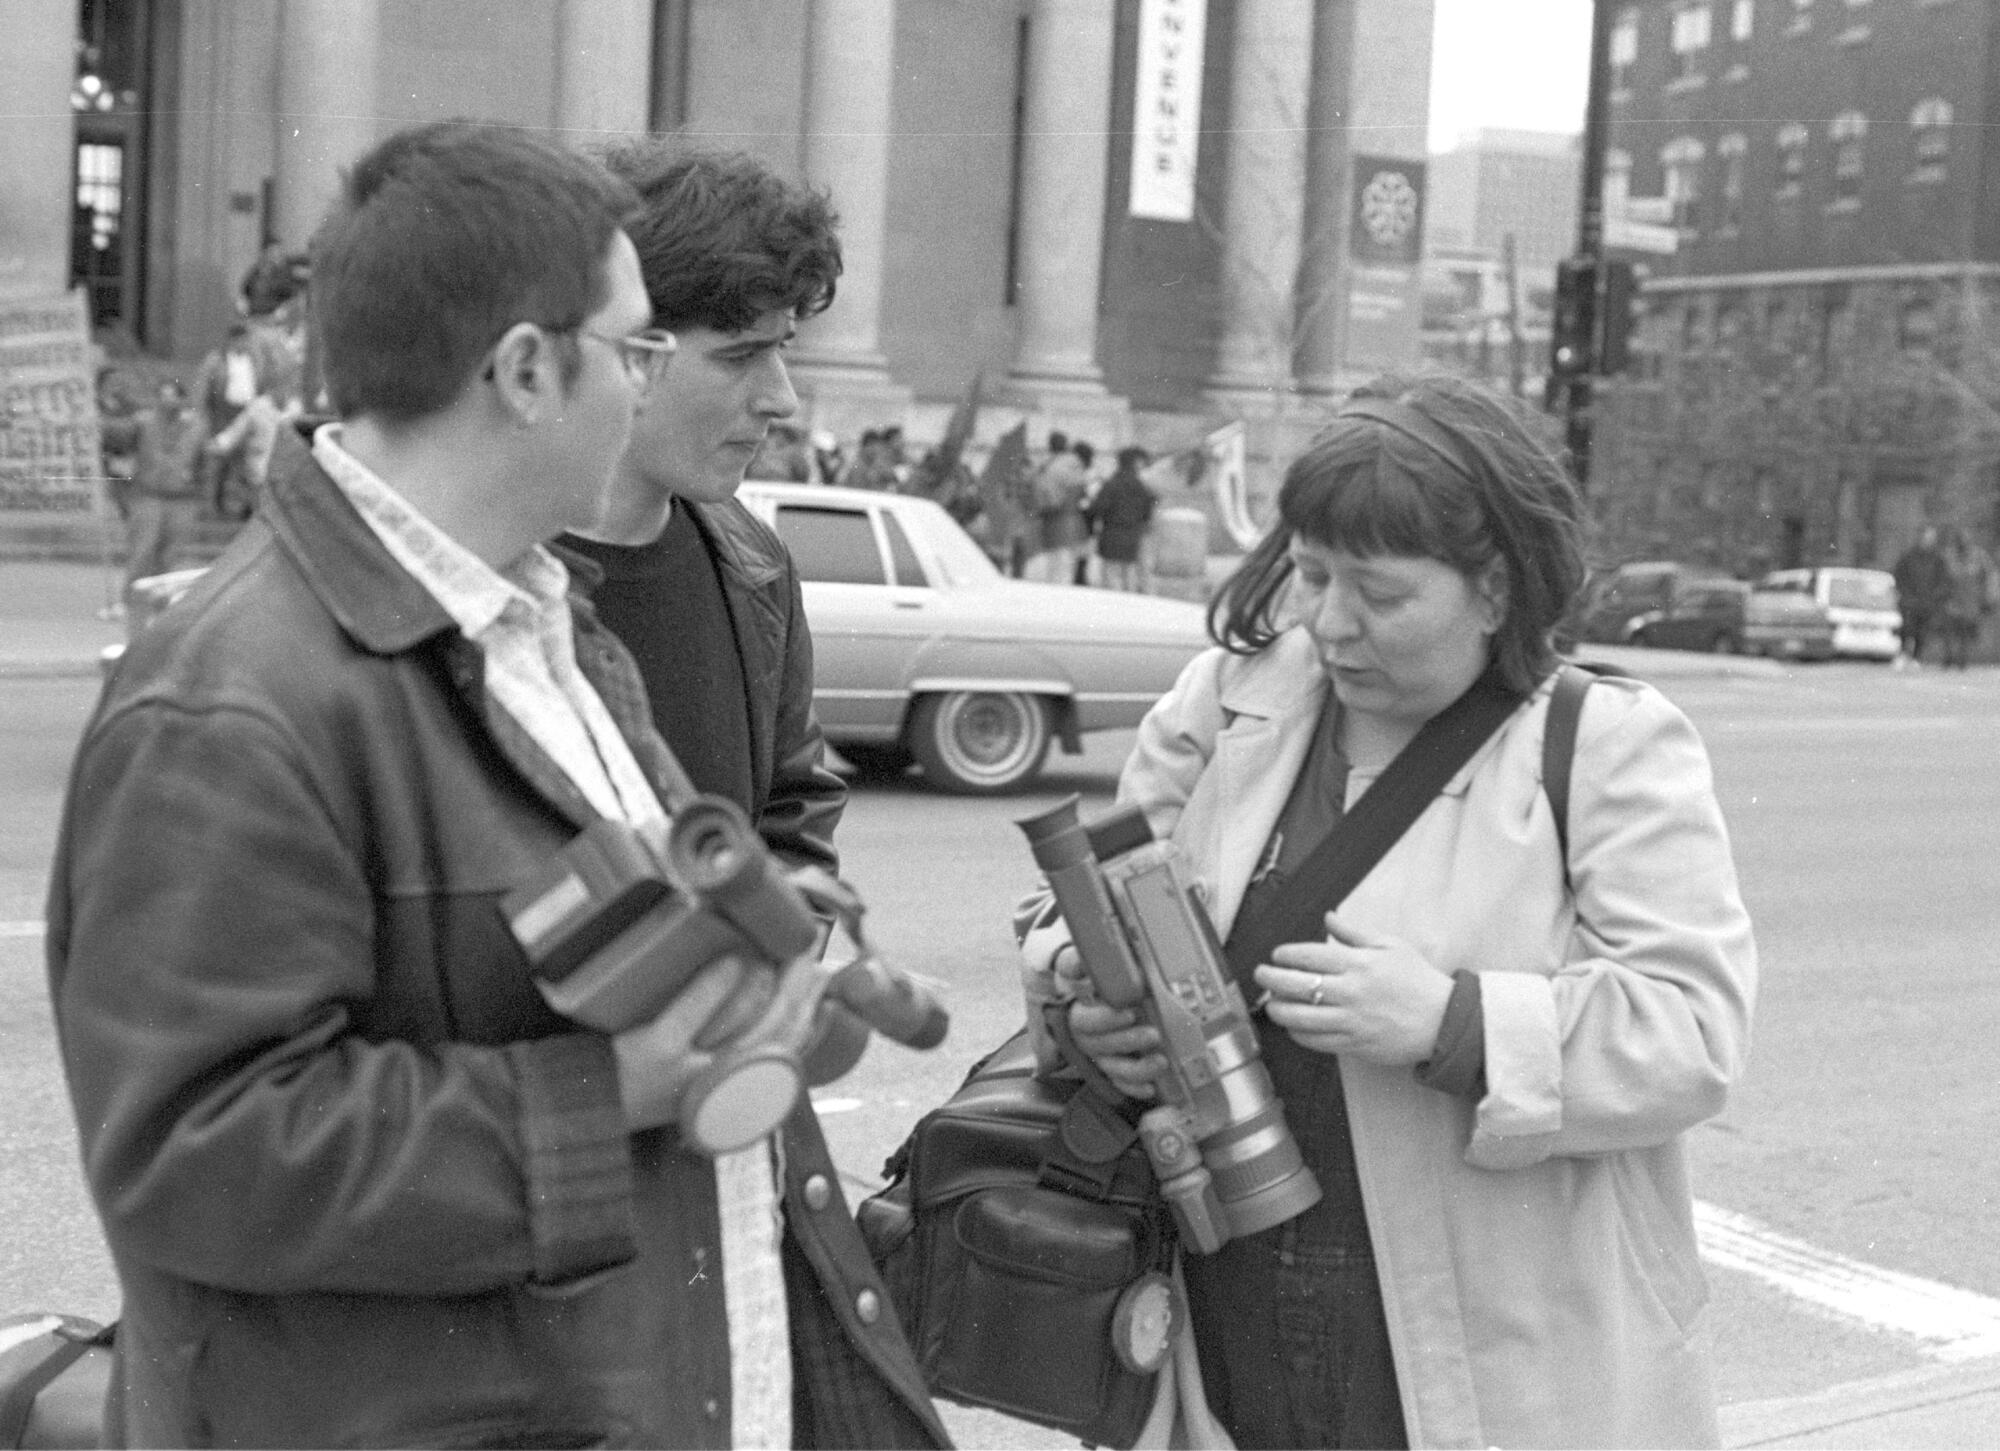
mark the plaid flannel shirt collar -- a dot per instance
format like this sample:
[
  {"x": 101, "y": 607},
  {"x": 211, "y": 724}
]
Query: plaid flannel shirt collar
[{"x": 470, "y": 590}]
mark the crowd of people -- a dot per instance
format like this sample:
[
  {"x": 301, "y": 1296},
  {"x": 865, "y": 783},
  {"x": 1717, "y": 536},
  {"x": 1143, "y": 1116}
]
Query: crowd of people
[
  {"x": 1946, "y": 587},
  {"x": 198, "y": 451},
  {"x": 1055, "y": 517}
]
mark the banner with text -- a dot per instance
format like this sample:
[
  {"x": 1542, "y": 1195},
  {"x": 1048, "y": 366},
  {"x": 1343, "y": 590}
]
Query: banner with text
[
  {"x": 1166, "y": 108},
  {"x": 49, "y": 461},
  {"x": 1385, "y": 241}
]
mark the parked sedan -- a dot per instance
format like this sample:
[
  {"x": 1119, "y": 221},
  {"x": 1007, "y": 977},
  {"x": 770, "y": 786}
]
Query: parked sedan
[
  {"x": 1705, "y": 614},
  {"x": 925, "y": 651},
  {"x": 1787, "y": 624},
  {"x": 1859, "y": 605}
]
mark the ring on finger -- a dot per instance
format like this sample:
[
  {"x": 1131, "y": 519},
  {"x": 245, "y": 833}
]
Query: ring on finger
[{"x": 1317, "y": 1000}]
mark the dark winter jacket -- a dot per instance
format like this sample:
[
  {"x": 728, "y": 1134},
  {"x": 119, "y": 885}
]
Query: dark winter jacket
[
  {"x": 360, "y": 1184},
  {"x": 1119, "y": 515}
]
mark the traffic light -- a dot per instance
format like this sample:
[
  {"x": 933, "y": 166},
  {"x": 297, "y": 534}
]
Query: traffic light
[
  {"x": 1620, "y": 308},
  {"x": 1571, "y": 326}
]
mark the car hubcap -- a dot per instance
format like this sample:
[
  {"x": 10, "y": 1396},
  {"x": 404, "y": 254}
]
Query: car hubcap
[{"x": 989, "y": 734}]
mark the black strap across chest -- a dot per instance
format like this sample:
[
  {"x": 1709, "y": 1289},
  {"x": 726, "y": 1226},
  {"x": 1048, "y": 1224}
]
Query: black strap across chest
[{"x": 1396, "y": 798}]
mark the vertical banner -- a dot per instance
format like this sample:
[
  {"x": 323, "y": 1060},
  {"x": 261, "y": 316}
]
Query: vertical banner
[
  {"x": 1385, "y": 241},
  {"x": 1166, "y": 108},
  {"x": 1224, "y": 456},
  {"x": 49, "y": 461}
]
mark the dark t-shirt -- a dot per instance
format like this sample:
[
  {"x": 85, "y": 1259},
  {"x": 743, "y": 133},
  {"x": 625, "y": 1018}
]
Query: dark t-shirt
[{"x": 664, "y": 601}]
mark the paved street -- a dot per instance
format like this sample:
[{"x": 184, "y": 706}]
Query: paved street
[{"x": 1848, "y": 1194}]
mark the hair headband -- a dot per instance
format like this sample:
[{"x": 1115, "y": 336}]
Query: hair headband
[{"x": 1399, "y": 417}]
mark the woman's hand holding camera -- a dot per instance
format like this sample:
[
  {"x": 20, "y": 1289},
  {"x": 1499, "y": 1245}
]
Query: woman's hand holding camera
[
  {"x": 1125, "y": 1048},
  {"x": 1377, "y": 998}
]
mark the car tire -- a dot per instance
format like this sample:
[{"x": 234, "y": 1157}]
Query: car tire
[
  {"x": 876, "y": 760},
  {"x": 979, "y": 741}
]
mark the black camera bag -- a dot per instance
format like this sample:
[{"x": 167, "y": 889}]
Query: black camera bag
[
  {"x": 1017, "y": 1216},
  {"x": 55, "y": 1371}
]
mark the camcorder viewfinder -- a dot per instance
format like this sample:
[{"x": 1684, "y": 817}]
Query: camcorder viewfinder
[{"x": 1226, "y": 1160}]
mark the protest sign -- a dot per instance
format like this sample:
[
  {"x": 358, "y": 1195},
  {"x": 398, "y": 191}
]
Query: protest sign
[{"x": 50, "y": 466}]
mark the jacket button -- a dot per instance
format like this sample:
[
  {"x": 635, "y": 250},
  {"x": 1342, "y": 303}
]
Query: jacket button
[
  {"x": 819, "y": 1193},
  {"x": 868, "y": 1305},
  {"x": 712, "y": 1408}
]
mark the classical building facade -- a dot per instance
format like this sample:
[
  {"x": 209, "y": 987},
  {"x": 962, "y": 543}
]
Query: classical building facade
[
  {"x": 981, "y": 154},
  {"x": 1820, "y": 353}
]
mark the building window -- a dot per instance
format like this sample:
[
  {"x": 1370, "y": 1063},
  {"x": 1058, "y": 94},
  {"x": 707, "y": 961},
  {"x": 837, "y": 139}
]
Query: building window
[
  {"x": 1732, "y": 320},
  {"x": 1779, "y": 327},
  {"x": 1694, "y": 329},
  {"x": 1681, "y": 161},
  {"x": 1690, "y": 39},
  {"x": 1930, "y": 139},
  {"x": 1916, "y": 321},
  {"x": 1836, "y": 338},
  {"x": 1850, "y": 140},
  {"x": 1624, "y": 48},
  {"x": 1730, "y": 151},
  {"x": 100, "y": 191},
  {"x": 1742, "y": 19},
  {"x": 1793, "y": 139},
  {"x": 1617, "y": 181}
]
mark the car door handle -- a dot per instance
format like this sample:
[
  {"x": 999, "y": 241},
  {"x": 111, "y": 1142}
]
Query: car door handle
[{"x": 908, "y": 604}]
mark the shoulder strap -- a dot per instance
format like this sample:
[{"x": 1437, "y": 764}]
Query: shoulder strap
[
  {"x": 1559, "y": 740},
  {"x": 1384, "y": 812},
  {"x": 1559, "y": 745}
]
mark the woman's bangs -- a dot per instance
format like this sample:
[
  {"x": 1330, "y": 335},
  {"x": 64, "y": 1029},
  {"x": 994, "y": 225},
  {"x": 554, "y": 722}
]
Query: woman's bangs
[{"x": 1381, "y": 506}]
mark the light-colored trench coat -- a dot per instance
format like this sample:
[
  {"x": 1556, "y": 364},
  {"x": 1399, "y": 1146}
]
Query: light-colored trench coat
[{"x": 1536, "y": 1251}]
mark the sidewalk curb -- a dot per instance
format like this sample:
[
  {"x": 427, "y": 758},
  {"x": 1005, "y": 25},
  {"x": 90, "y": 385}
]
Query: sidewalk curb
[
  {"x": 57, "y": 669},
  {"x": 1881, "y": 1399},
  {"x": 1679, "y": 664}
]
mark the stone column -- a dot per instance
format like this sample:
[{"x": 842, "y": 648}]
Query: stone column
[
  {"x": 326, "y": 105},
  {"x": 37, "y": 145},
  {"x": 1323, "y": 272},
  {"x": 604, "y": 68},
  {"x": 849, "y": 90},
  {"x": 1263, "y": 203},
  {"x": 1064, "y": 172}
]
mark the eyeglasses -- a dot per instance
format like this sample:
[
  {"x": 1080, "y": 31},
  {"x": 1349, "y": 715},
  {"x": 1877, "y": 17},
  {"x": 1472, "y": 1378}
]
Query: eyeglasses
[{"x": 644, "y": 353}]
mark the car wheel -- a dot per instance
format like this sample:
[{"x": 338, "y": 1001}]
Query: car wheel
[
  {"x": 876, "y": 759},
  {"x": 974, "y": 741}
]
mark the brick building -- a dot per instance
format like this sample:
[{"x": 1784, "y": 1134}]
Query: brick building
[{"x": 1820, "y": 356}]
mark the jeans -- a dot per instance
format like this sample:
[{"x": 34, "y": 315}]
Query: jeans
[{"x": 1294, "y": 1345}]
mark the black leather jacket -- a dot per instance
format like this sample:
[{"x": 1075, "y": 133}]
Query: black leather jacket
[
  {"x": 360, "y": 1184},
  {"x": 796, "y": 801}
]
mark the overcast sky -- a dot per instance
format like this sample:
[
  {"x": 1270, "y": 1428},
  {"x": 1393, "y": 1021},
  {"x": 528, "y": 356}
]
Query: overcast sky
[{"x": 1514, "y": 63}]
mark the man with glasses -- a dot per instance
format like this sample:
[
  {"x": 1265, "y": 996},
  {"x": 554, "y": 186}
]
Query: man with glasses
[
  {"x": 707, "y": 599},
  {"x": 360, "y": 1183}
]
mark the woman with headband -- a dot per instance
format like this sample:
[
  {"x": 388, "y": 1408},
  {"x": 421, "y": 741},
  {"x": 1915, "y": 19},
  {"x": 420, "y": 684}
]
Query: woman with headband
[{"x": 1492, "y": 1054}]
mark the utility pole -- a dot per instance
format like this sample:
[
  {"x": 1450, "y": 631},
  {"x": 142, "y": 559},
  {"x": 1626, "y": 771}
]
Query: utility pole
[
  {"x": 1574, "y": 386},
  {"x": 1510, "y": 269}
]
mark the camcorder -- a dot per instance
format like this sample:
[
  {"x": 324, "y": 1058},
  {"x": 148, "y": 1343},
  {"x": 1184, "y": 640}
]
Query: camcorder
[
  {"x": 614, "y": 937},
  {"x": 1225, "y": 1159}
]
